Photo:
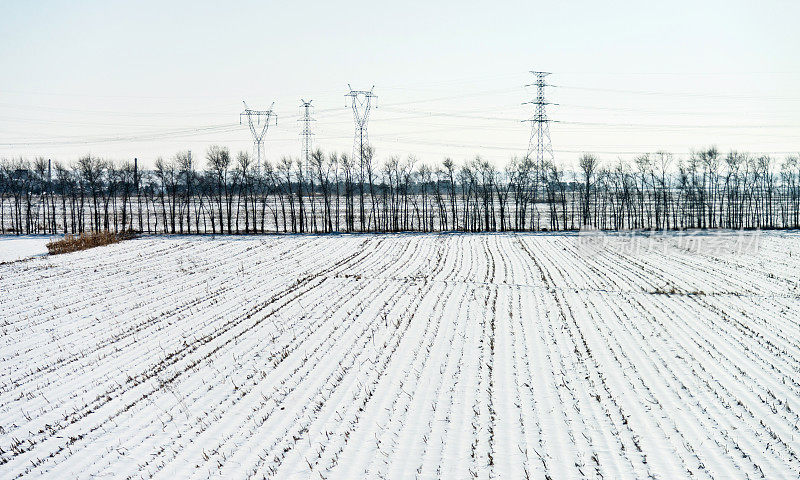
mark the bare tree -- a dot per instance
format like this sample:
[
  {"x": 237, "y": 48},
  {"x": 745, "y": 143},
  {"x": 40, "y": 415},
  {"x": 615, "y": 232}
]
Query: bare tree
[
  {"x": 588, "y": 164},
  {"x": 219, "y": 161}
]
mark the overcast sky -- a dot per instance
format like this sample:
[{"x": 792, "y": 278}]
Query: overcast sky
[{"x": 147, "y": 79}]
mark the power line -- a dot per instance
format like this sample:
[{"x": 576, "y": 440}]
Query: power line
[
  {"x": 454, "y": 97},
  {"x": 516, "y": 149},
  {"x": 674, "y": 74},
  {"x": 105, "y": 112},
  {"x": 422, "y": 114},
  {"x": 361, "y": 113},
  {"x": 677, "y": 94},
  {"x": 674, "y": 125},
  {"x": 121, "y": 138},
  {"x": 648, "y": 111}
]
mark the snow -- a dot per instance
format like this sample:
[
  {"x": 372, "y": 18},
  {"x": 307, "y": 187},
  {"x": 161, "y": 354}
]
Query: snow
[
  {"x": 402, "y": 356},
  {"x": 14, "y": 247}
]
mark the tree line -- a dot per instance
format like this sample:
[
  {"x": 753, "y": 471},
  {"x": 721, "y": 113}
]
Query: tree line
[{"x": 224, "y": 193}]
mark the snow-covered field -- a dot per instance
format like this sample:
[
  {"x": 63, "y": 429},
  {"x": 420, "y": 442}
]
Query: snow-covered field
[
  {"x": 14, "y": 247},
  {"x": 401, "y": 356}
]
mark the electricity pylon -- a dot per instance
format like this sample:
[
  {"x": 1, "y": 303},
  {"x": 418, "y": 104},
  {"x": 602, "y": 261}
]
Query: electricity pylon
[
  {"x": 260, "y": 118},
  {"x": 361, "y": 101},
  {"x": 540, "y": 148},
  {"x": 306, "y": 134}
]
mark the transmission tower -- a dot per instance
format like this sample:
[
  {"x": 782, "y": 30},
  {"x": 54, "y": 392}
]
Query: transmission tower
[
  {"x": 539, "y": 147},
  {"x": 259, "y": 121},
  {"x": 307, "y": 136},
  {"x": 361, "y": 101}
]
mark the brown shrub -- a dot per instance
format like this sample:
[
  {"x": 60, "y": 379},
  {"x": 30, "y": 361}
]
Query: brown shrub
[{"x": 73, "y": 243}]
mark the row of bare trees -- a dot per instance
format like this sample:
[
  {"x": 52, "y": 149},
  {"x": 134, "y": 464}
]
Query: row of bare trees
[{"x": 337, "y": 193}]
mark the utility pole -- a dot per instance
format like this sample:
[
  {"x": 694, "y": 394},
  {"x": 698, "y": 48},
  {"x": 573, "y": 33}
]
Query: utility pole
[
  {"x": 305, "y": 109},
  {"x": 260, "y": 119},
  {"x": 539, "y": 147}
]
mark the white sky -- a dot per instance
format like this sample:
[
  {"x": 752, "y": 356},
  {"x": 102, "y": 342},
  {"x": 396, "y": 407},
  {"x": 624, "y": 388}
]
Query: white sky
[{"x": 146, "y": 79}]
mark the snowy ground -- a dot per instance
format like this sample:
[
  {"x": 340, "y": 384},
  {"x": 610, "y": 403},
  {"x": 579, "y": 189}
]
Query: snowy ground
[
  {"x": 14, "y": 247},
  {"x": 401, "y": 356}
]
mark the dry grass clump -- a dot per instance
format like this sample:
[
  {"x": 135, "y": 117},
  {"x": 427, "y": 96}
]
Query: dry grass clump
[{"x": 73, "y": 243}]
